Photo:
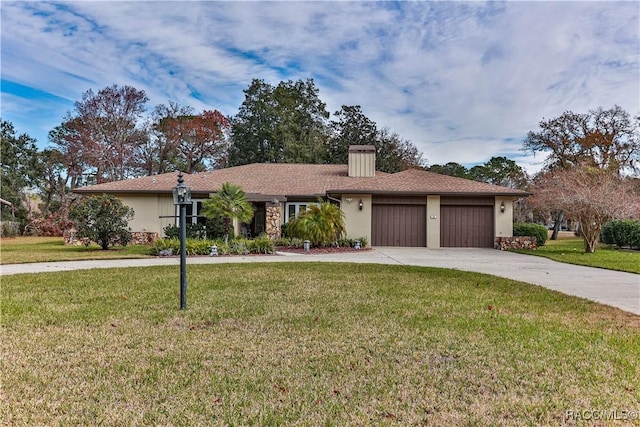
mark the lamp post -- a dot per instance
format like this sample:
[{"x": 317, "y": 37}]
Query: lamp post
[{"x": 182, "y": 198}]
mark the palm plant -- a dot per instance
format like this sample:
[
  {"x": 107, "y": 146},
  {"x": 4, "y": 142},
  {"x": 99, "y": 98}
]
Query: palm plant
[
  {"x": 321, "y": 223},
  {"x": 229, "y": 203}
]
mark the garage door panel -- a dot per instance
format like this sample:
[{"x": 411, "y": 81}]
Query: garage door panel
[
  {"x": 398, "y": 225},
  {"x": 466, "y": 226}
]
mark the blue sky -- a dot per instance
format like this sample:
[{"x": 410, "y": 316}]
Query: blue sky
[{"x": 463, "y": 81}]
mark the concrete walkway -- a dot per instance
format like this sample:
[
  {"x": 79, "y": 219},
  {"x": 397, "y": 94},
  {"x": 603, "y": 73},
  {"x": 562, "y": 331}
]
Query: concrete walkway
[{"x": 613, "y": 288}]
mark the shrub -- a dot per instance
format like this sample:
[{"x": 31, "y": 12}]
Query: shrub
[
  {"x": 102, "y": 219},
  {"x": 283, "y": 231},
  {"x": 321, "y": 224},
  {"x": 193, "y": 231},
  {"x": 51, "y": 226},
  {"x": 195, "y": 247},
  {"x": 529, "y": 229},
  {"x": 164, "y": 244},
  {"x": 350, "y": 243},
  {"x": 289, "y": 242},
  {"x": 621, "y": 233},
  {"x": 9, "y": 229},
  {"x": 261, "y": 245}
]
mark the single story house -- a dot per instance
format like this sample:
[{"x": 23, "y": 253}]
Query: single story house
[{"x": 409, "y": 208}]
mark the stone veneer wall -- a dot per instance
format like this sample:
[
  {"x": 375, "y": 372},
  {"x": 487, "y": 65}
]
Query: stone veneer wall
[
  {"x": 143, "y": 237},
  {"x": 273, "y": 221},
  {"x": 137, "y": 238},
  {"x": 516, "y": 242}
]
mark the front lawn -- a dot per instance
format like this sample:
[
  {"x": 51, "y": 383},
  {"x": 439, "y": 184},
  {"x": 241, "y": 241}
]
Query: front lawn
[
  {"x": 571, "y": 250},
  {"x": 307, "y": 344},
  {"x": 22, "y": 249}
]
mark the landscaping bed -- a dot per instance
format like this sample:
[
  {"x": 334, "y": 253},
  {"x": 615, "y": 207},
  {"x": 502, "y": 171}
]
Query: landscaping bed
[{"x": 320, "y": 250}]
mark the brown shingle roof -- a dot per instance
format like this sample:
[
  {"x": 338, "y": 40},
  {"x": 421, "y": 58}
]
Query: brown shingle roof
[
  {"x": 418, "y": 181},
  {"x": 271, "y": 179},
  {"x": 255, "y": 179}
]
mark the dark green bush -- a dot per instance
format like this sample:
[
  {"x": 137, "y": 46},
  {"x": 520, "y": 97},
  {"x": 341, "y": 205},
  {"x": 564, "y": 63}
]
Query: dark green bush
[
  {"x": 102, "y": 219},
  {"x": 621, "y": 233},
  {"x": 213, "y": 229},
  {"x": 529, "y": 229}
]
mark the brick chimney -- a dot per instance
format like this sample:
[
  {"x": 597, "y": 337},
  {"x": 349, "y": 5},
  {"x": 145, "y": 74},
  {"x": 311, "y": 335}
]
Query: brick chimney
[{"x": 362, "y": 161}]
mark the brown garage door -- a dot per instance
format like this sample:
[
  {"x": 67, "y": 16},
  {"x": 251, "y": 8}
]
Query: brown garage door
[
  {"x": 398, "y": 225},
  {"x": 466, "y": 226}
]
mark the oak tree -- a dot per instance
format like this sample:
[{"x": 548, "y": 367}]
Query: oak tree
[
  {"x": 587, "y": 194},
  {"x": 607, "y": 139},
  {"x": 102, "y": 133},
  {"x": 186, "y": 141}
]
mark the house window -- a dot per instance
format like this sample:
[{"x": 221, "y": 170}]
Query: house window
[
  {"x": 194, "y": 215},
  {"x": 295, "y": 209}
]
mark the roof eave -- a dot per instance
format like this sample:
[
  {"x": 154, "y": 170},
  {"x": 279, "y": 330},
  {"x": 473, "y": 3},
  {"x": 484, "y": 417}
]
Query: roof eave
[{"x": 431, "y": 193}]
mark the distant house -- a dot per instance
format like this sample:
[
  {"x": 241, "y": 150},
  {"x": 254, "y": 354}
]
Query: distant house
[{"x": 409, "y": 208}]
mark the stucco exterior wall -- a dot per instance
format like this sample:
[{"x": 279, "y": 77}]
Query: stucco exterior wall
[
  {"x": 148, "y": 210},
  {"x": 503, "y": 220},
  {"x": 433, "y": 222},
  {"x": 357, "y": 222}
]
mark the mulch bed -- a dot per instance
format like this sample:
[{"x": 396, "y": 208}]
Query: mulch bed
[{"x": 325, "y": 250}]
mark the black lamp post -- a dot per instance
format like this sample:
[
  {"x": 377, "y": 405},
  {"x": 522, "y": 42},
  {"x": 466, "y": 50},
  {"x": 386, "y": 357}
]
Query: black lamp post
[{"x": 182, "y": 198}]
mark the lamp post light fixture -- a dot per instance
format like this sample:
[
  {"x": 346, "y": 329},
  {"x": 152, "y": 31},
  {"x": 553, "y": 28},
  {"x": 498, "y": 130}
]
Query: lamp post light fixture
[
  {"x": 502, "y": 207},
  {"x": 360, "y": 204},
  {"x": 182, "y": 198}
]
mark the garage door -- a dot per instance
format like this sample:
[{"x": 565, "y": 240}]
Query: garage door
[
  {"x": 466, "y": 226},
  {"x": 398, "y": 225}
]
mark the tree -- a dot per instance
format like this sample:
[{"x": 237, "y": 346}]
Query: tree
[
  {"x": 589, "y": 195},
  {"x": 157, "y": 155},
  {"x": 395, "y": 154},
  {"x": 74, "y": 149},
  {"x": 607, "y": 139},
  {"x": 230, "y": 202},
  {"x": 321, "y": 223},
  {"x": 352, "y": 127},
  {"x": 500, "y": 171},
  {"x": 191, "y": 142},
  {"x": 281, "y": 124},
  {"x": 451, "y": 169},
  {"x": 20, "y": 169},
  {"x": 53, "y": 182},
  {"x": 102, "y": 219},
  {"x": 103, "y": 133}
]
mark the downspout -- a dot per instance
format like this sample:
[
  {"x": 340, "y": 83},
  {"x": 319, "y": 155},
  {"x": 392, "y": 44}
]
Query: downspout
[{"x": 335, "y": 200}]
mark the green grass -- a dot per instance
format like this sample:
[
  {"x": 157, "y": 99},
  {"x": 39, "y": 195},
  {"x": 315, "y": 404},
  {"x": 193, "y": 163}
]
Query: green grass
[
  {"x": 307, "y": 344},
  {"x": 22, "y": 249},
  {"x": 571, "y": 250}
]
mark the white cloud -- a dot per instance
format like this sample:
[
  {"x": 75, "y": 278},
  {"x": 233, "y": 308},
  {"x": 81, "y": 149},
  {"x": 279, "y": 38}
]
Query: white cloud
[{"x": 463, "y": 81}]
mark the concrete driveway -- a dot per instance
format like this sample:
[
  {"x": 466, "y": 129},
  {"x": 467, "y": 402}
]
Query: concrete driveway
[{"x": 613, "y": 288}]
